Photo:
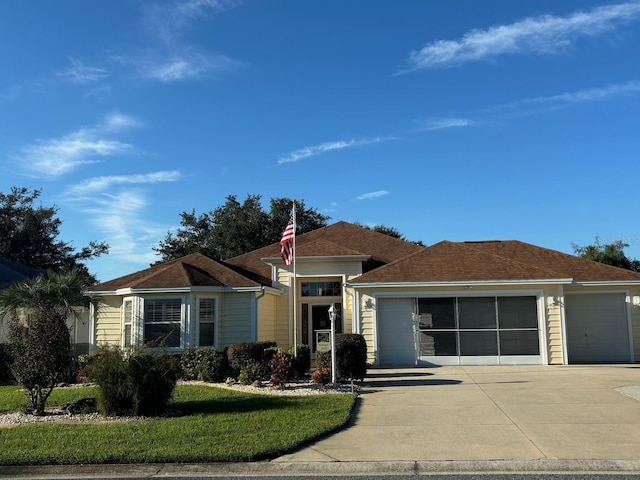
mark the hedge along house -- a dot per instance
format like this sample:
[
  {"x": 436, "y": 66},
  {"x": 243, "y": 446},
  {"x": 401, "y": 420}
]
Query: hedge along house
[{"x": 453, "y": 303}]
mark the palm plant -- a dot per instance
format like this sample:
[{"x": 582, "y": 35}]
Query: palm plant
[{"x": 36, "y": 311}]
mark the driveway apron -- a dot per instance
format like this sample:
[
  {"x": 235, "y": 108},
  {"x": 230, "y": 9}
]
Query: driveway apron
[{"x": 489, "y": 413}]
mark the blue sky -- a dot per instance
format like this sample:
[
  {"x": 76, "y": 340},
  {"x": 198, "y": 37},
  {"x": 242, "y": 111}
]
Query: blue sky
[{"x": 458, "y": 120}]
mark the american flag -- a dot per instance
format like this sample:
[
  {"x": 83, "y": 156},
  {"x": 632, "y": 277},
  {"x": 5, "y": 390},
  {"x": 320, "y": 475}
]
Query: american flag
[{"x": 286, "y": 244}]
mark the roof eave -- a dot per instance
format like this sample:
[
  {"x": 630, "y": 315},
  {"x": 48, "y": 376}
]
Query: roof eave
[
  {"x": 605, "y": 283},
  {"x": 546, "y": 281},
  {"x": 201, "y": 289},
  {"x": 336, "y": 258}
]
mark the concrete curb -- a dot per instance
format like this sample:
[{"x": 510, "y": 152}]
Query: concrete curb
[{"x": 411, "y": 468}]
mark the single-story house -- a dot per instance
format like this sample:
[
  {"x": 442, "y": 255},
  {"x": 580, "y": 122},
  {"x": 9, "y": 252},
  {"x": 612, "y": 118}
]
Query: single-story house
[{"x": 460, "y": 303}]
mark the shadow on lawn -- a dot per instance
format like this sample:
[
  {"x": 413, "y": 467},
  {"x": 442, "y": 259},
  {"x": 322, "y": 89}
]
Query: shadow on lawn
[{"x": 231, "y": 405}]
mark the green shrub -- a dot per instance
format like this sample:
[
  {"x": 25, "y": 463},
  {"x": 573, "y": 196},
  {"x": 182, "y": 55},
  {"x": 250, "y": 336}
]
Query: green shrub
[
  {"x": 351, "y": 357},
  {"x": 251, "y": 372},
  {"x": 282, "y": 369},
  {"x": 138, "y": 384},
  {"x": 6, "y": 359},
  {"x": 302, "y": 359},
  {"x": 205, "y": 364},
  {"x": 242, "y": 354},
  {"x": 42, "y": 352}
]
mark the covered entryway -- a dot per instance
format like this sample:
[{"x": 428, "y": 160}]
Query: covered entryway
[{"x": 597, "y": 328}]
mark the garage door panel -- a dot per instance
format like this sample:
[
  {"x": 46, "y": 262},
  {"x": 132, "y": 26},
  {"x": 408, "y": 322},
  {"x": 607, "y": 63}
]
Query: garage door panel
[
  {"x": 597, "y": 328},
  {"x": 395, "y": 332}
]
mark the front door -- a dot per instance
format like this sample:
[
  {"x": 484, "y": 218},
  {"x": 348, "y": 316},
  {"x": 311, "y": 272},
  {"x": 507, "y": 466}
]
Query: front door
[{"x": 319, "y": 320}]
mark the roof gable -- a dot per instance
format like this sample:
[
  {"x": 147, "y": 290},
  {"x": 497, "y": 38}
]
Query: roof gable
[
  {"x": 195, "y": 270},
  {"x": 342, "y": 238}
]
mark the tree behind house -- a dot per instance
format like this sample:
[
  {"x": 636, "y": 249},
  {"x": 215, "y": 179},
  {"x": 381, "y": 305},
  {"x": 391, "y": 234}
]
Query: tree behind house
[
  {"x": 236, "y": 228},
  {"x": 608, "y": 253}
]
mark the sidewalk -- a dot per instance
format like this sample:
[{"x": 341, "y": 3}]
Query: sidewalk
[{"x": 490, "y": 413}]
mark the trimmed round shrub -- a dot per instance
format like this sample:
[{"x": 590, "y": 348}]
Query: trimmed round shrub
[
  {"x": 351, "y": 357},
  {"x": 242, "y": 354},
  {"x": 204, "y": 364}
]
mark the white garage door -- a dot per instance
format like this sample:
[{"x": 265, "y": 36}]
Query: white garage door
[
  {"x": 597, "y": 328},
  {"x": 395, "y": 332}
]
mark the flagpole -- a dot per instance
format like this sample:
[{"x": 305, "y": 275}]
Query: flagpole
[{"x": 295, "y": 293}]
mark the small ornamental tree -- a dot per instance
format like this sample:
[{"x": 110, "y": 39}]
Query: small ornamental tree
[{"x": 37, "y": 310}]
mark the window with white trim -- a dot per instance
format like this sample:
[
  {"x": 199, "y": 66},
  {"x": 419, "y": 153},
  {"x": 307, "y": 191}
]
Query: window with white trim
[
  {"x": 163, "y": 322},
  {"x": 127, "y": 323},
  {"x": 206, "y": 322}
]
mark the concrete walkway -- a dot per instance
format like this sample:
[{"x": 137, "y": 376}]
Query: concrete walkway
[{"x": 489, "y": 413}]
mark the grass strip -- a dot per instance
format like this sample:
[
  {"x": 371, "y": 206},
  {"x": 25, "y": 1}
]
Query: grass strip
[{"x": 218, "y": 425}]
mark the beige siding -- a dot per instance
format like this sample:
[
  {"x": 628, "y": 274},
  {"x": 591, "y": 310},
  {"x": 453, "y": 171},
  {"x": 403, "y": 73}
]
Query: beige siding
[
  {"x": 269, "y": 329},
  {"x": 236, "y": 318},
  {"x": 108, "y": 321}
]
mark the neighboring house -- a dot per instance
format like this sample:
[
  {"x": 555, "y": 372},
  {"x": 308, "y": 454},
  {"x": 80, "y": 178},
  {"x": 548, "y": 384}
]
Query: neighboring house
[
  {"x": 12, "y": 272},
  {"x": 495, "y": 302}
]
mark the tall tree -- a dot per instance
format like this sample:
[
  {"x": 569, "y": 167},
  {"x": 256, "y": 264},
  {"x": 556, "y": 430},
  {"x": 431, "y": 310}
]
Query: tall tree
[
  {"x": 607, "y": 253},
  {"x": 236, "y": 228},
  {"x": 29, "y": 235},
  {"x": 36, "y": 311}
]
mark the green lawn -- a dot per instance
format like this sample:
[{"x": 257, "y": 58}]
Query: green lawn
[{"x": 218, "y": 425}]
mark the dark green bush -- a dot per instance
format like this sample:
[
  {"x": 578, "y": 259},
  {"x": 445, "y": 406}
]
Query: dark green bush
[
  {"x": 242, "y": 354},
  {"x": 42, "y": 352},
  {"x": 138, "y": 384},
  {"x": 282, "y": 369},
  {"x": 302, "y": 359},
  {"x": 351, "y": 357},
  {"x": 6, "y": 359},
  {"x": 205, "y": 364}
]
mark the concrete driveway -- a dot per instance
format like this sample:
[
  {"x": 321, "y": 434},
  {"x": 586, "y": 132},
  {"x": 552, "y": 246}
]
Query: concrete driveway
[{"x": 489, "y": 413}]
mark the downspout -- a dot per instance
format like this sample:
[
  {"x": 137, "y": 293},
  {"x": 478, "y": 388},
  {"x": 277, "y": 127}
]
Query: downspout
[
  {"x": 254, "y": 323},
  {"x": 92, "y": 328}
]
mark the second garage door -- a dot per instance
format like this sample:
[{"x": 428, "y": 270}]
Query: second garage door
[{"x": 597, "y": 328}]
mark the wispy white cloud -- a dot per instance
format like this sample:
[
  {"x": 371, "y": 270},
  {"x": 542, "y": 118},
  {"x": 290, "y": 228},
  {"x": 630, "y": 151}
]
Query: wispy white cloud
[
  {"x": 442, "y": 123},
  {"x": 539, "y": 35},
  {"x": 372, "y": 195},
  {"x": 552, "y": 102},
  {"x": 167, "y": 21},
  {"x": 81, "y": 74},
  {"x": 180, "y": 65},
  {"x": 121, "y": 217},
  {"x": 57, "y": 156},
  {"x": 315, "y": 150},
  {"x": 118, "y": 205},
  {"x": 99, "y": 184}
]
